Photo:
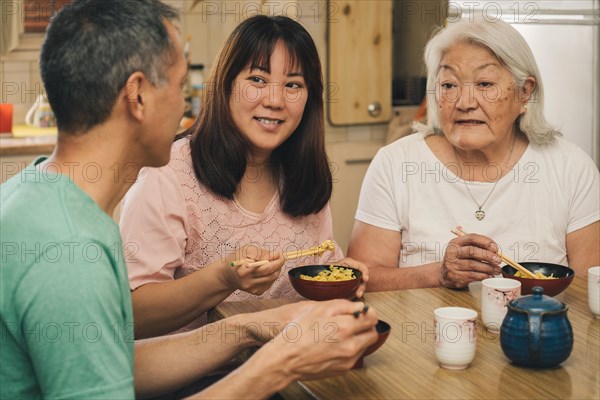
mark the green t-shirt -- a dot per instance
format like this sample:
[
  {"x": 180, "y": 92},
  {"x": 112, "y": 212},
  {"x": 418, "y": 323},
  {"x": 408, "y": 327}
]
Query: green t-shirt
[{"x": 65, "y": 306}]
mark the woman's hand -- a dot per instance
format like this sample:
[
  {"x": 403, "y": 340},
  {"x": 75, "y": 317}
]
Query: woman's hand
[
  {"x": 352, "y": 263},
  {"x": 469, "y": 258},
  {"x": 254, "y": 280}
]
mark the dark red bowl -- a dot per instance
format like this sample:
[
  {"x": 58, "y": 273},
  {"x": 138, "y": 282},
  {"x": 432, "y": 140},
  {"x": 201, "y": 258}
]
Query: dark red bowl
[
  {"x": 318, "y": 290},
  {"x": 383, "y": 330},
  {"x": 552, "y": 287}
]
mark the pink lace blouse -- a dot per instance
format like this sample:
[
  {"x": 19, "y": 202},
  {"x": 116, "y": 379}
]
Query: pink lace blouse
[{"x": 172, "y": 225}]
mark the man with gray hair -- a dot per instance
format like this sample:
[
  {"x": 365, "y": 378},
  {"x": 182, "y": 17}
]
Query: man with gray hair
[{"x": 114, "y": 72}]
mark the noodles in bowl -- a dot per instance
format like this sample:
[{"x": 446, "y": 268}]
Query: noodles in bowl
[
  {"x": 331, "y": 275},
  {"x": 538, "y": 275},
  {"x": 556, "y": 278},
  {"x": 325, "y": 282}
]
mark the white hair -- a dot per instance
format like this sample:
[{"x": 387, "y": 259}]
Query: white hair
[{"x": 511, "y": 49}]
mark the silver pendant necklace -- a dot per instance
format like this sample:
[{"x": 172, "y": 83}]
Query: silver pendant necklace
[{"x": 480, "y": 214}]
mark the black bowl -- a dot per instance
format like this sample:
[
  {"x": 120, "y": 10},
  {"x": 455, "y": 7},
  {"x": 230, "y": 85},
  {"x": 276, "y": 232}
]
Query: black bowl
[
  {"x": 321, "y": 290},
  {"x": 552, "y": 287},
  {"x": 383, "y": 331}
]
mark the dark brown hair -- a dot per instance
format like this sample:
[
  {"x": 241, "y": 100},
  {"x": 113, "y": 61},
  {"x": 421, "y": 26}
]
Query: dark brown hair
[{"x": 220, "y": 152}]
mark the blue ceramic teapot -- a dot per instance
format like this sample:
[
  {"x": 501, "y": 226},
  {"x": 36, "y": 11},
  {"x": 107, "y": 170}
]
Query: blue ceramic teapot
[{"x": 536, "y": 331}]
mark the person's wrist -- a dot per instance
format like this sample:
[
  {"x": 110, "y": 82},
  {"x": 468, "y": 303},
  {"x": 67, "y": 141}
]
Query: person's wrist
[
  {"x": 441, "y": 282},
  {"x": 225, "y": 273},
  {"x": 232, "y": 330},
  {"x": 267, "y": 369},
  {"x": 256, "y": 329}
]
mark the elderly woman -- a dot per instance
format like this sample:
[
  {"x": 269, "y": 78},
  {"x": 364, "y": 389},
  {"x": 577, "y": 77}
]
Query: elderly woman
[{"x": 488, "y": 161}]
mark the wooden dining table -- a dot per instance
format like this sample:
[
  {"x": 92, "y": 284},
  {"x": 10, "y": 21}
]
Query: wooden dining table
[{"x": 405, "y": 367}]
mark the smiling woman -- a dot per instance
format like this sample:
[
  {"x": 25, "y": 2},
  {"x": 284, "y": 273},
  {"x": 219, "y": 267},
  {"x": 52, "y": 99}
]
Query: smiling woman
[
  {"x": 251, "y": 176},
  {"x": 261, "y": 107}
]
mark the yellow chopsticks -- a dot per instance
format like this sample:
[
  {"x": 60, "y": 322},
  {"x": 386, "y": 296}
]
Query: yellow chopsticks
[
  {"x": 458, "y": 231},
  {"x": 327, "y": 245}
]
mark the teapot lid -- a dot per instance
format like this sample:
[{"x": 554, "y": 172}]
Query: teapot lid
[{"x": 537, "y": 302}]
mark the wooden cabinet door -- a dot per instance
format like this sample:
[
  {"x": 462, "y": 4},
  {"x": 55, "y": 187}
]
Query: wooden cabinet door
[{"x": 359, "y": 61}]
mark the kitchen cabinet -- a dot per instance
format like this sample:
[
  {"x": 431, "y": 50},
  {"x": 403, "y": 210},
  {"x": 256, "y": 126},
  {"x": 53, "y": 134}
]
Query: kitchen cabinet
[
  {"x": 359, "y": 62},
  {"x": 349, "y": 162}
]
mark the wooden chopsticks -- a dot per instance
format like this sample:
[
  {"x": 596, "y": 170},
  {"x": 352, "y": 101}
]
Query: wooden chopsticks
[
  {"x": 458, "y": 231},
  {"x": 327, "y": 245}
]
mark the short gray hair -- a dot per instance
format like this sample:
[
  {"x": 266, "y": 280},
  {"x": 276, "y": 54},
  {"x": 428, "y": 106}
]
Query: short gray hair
[
  {"x": 91, "y": 49},
  {"x": 511, "y": 49}
]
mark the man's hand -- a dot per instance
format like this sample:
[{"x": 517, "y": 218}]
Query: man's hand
[{"x": 324, "y": 339}]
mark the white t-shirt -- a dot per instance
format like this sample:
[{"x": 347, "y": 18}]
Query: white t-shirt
[{"x": 553, "y": 190}]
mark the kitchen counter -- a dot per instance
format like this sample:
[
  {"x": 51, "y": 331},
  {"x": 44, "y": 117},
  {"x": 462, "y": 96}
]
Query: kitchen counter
[
  {"x": 20, "y": 146},
  {"x": 28, "y": 141}
]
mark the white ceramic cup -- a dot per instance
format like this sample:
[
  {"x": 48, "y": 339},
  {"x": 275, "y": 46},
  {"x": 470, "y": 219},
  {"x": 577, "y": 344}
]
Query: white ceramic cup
[
  {"x": 455, "y": 336},
  {"x": 594, "y": 290},
  {"x": 495, "y": 295}
]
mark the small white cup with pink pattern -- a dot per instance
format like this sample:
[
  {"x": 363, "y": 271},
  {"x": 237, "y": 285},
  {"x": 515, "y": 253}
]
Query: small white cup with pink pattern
[
  {"x": 495, "y": 295},
  {"x": 455, "y": 336},
  {"x": 594, "y": 290}
]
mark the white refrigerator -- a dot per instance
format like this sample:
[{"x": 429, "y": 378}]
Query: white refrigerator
[{"x": 564, "y": 36}]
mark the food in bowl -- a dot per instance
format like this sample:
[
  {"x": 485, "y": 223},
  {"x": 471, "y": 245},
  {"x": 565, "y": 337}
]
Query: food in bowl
[
  {"x": 323, "y": 290},
  {"x": 332, "y": 274},
  {"x": 563, "y": 276},
  {"x": 538, "y": 275}
]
